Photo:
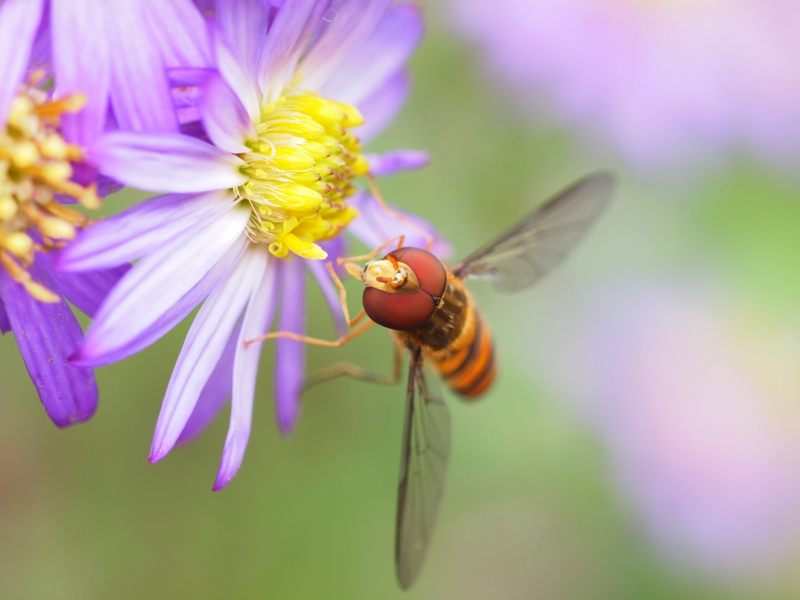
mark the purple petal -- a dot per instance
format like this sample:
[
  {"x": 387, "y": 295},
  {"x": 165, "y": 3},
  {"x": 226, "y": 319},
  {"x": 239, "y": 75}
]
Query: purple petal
[
  {"x": 290, "y": 355},
  {"x": 215, "y": 394},
  {"x": 166, "y": 163},
  {"x": 383, "y": 54},
  {"x": 47, "y": 334},
  {"x": 139, "y": 230},
  {"x": 286, "y": 39},
  {"x": 244, "y": 24},
  {"x": 374, "y": 226},
  {"x": 178, "y": 311},
  {"x": 238, "y": 75},
  {"x": 381, "y": 108},
  {"x": 320, "y": 273},
  {"x": 257, "y": 320},
  {"x": 390, "y": 163},
  {"x": 225, "y": 119},
  {"x": 19, "y": 20},
  {"x": 354, "y": 23},
  {"x": 42, "y": 49},
  {"x": 203, "y": 349},
  {"x": 180, "y": 32},
  {"x": 186, "y": 87},
  {"x": 75, "y": 45},
  {"x": 5, "y": 325},
  {"x": 157, "y": 282},
  {"x": 88, "y": 290},
  {"x": 140, "y": 94}
]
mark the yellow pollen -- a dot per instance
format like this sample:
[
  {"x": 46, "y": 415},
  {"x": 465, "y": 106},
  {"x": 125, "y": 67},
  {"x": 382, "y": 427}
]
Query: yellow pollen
[
  {"x": 34, "y": 168},
  {"x": 300, "y": 169}
]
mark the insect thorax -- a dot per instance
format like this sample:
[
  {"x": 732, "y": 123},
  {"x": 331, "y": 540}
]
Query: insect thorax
[{"x": 447, "y": 322}]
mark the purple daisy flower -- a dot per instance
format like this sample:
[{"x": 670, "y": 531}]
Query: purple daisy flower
[
  {"x": 44, "y": 136},
  {"x": 298, "y": 87},
  {"x": 668, "y": 83}
]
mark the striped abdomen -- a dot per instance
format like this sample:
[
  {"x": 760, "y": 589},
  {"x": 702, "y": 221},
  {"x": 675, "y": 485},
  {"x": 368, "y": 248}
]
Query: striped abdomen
[
  {"x": 468, "y": 365},
  {"x": 457, "y": 341}
]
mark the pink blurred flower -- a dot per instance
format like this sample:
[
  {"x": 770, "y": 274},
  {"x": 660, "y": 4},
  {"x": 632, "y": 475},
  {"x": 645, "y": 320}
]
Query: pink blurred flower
[
  {"x": 668, "y": 83},
  {"x": 695, "y": 419}
]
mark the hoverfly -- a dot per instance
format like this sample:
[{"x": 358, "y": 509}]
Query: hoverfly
[{"x": 430, "y": 313}]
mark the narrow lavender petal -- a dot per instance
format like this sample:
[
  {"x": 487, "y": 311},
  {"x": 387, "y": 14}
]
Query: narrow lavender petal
[
  {"x": 5, "y": 325},
  {"x": 354, "y": 23},
  {"x": 395, "y": 161},
  {"x": 188, "y": 76},
  {"x": 203, "y": 349},
  {"x": 140, "y": 94},
  {"x": 335, "y": 248},
  {"x": 215, "y": 394},
  {"x": 381, "y": 108},
  {"x": 374, "y": 226},
  {"x": 19, "y": 20},
  {"x": 166, "y": 163},
  {"x": 139, "y": 230},
  {"x": 42, "y": 48},
  {"x": 238, "y": 73},
  {"x": 256, "y": 322},
  {"x": 157, "y": 282},
  {"x": 290, "y": 355},
  {"x": 75, "y": 45},
  {"x": 224, "y": 117},
  {"x": 180, "y": 32},
  {"x": 320, "y": 273},
  {"x": 244, "y": 24},
  {"x": 47, "y": 334},
  {"x": 185, "y": 84},
  {"x": 286, "y": 39},
  {"x": 88, "y": 290},
  {"x": 178, "y": 311},
  {"x": 383, "y": 54}
]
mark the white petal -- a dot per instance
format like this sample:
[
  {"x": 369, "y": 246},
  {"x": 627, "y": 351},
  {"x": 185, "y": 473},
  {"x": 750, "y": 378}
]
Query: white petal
[
  {"x": 160, "y": 280},
  {"x": 203, "y": 348},
  {"x": 166, "y": 162},
  {"x": 140, "y": 230},
  {"x": 355, "y": 21},
  {"x": 257, "y": 320}
]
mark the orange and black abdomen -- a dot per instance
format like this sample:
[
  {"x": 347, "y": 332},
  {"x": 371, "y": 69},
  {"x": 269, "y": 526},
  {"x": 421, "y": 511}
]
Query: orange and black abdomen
[{"x": 468, "y": 366}]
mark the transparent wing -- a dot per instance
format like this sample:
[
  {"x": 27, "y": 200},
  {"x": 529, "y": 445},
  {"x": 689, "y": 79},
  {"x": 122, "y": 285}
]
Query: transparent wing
[
  {"x": 527, "y": 251},
  {"x": 426, "y": 447}
]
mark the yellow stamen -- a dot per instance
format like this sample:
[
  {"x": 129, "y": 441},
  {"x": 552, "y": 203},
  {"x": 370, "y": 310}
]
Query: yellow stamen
[
  {"x": 300, "y": 170},
  {"x": 35, "y": 167}
]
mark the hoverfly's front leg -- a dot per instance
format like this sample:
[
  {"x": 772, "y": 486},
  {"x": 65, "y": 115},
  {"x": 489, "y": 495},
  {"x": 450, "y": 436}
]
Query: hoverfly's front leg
[
  {"x": 356, "y": 272},
  {"x": 342, "y": 300},
  {"x": 393, "y": 213},
  {"x": 354, "y": 371},
  {"x": 354, "y": 259},
  {"x": 343, "y": 297},
  {"x": 310, "y": 340}
]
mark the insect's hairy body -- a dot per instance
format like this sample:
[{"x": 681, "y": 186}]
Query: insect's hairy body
[{"x": 457, "y": 341}]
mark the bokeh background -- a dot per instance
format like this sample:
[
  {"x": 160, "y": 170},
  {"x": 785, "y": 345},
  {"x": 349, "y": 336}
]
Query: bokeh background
[{"x": 643, "y": 440}]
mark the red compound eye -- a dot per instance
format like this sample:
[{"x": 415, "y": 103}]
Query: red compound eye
[
  {"x": 400, "y": 312},
  {"x": 405, "y": 311},
  {"x": 429, "y": 270}
]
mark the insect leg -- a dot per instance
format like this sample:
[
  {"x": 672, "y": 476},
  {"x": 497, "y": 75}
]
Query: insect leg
[
  {"x": 354, "y": 371},
  {"x": 393, "y": 213},
  {"x": 313, "y": 341},
  {"x": 343, "y": 297},
  {"x": 351, "y": 259}
]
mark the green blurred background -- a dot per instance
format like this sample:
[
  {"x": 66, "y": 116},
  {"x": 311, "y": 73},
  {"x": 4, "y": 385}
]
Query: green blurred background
[{"x": 531, "y": 509}]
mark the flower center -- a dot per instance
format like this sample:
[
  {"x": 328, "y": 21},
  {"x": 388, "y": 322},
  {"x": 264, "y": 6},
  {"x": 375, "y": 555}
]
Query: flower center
[
  {"x": 34, "y": 168},
  {"x": 300, "y": 171}
]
